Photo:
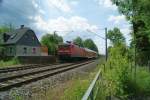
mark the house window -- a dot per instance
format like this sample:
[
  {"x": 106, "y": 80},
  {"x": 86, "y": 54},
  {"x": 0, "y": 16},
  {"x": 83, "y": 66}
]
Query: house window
[
  {"x": 34, "y": 50},
  {"x": 25, "y": 50}
]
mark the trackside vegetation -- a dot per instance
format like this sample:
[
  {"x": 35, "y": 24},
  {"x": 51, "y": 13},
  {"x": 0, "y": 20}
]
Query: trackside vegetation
[
  {"x": 10, "y": 62},
  {"x": 119, "y": 80},
  {"x": 4, "y": 61},
  {"x": 73, "y": 89},
  {"x": 119, "y": 77},
  {"x": 126, "y": 74}
]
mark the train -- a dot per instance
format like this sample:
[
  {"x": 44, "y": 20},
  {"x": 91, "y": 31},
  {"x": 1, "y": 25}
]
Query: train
[{"x": 70, "y": 51}]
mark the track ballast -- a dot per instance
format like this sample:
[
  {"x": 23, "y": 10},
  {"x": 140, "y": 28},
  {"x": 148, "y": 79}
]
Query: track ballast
[{"x": 17, "y": 78}]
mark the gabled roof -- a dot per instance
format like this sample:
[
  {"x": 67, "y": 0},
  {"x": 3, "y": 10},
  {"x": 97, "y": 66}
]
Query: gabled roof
[{"x": 16, "y": 35}]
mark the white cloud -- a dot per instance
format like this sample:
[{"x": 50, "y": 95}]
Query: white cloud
[
  {"x": 62, "y": 5},
  {"x": 38, "y": 7},
  {"x": 35, "y": 4},
  {"x": 107, "y": 4},
  {"x": 100, "y": 45},
  {"x": 74, "y": 23},
  {"x": 116, "y": 19},
  {"x": 126, "y": 32}
]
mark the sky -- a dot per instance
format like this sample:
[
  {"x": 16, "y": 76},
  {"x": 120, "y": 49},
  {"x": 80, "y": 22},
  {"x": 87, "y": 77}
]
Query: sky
[{"x": 69, "y": 18}]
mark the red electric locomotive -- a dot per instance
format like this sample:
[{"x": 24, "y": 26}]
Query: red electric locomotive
[{"x": 69, "y": 51}]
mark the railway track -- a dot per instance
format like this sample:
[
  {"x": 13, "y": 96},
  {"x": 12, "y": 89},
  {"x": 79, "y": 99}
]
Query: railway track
[
  {"x": 23, "y": 67},
  {"x": 17, "y": 78}
]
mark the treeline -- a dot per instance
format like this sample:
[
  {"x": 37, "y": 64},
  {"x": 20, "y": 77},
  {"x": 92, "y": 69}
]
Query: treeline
[
  {"x": 88, "y": 43},
  {"x": 137, "y": 12},
  {"x": 119, "y": 77}
]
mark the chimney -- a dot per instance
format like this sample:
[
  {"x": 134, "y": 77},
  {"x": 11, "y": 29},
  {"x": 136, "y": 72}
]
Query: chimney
[{"x": 22, "y": 26}]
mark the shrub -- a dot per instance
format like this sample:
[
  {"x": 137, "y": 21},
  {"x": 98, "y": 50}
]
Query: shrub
[
  {"x": 139, "y": 86},
  {"x": 119, "y": 80},
  {"x": 13, "y": 61}
]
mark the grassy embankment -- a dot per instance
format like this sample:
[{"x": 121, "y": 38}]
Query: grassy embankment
[
  {"x": 119, "y": 78},
  {"x": 9, "y": 63},
  {"x": 73, "y": 89},
  {"x": 124, "y": 84}
]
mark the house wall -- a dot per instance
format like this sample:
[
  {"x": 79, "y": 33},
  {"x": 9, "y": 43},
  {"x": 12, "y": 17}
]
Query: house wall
[{"x": 20, "y": 50}]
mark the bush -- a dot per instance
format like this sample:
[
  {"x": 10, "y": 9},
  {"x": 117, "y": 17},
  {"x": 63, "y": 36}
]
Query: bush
[
  {"x": 13, "y": 61},
  {"x": 140, "y": 85},
  {"x": 116, "y": 77},
  {"x": 119, "y": 80}
]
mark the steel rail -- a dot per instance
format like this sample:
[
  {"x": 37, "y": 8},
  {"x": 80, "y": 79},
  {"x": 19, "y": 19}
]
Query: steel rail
[
  {"x": 23, "y": 67},
  {"x": 38, "y": 76},
  {"x": 36, "y": 71}
]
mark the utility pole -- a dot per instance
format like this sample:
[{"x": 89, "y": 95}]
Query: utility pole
[
  {"x": 106, "y": 43},
  {"x": 106, "y": 50}
]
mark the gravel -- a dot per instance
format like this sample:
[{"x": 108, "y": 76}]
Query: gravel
[{"x": 35, "y": 90}]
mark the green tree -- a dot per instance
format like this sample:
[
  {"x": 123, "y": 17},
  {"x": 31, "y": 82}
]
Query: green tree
[
  {"x": 51, "y": 41},
  {"x": 137, "y": 12},
  {"x": 2, "y": 30},
  {"x": 88, "y": 43},
  {"x": 125, "y": 7},
  {"x": 116, "y": 37},
  {"x": 78, "y": 41}
]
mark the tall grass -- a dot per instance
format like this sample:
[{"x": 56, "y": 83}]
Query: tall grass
[
  {"x": 119, "y": 79},
  {"x": 13, "y": 61},
  {"x": 73, "y": 89}
]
